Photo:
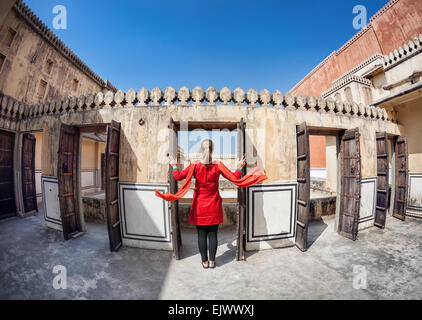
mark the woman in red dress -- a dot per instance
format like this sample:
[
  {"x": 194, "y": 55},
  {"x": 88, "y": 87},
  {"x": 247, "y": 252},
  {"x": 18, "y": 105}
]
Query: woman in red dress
[{"x": 206, "y": 210}]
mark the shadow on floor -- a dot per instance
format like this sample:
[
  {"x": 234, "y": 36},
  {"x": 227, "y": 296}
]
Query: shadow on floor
[{"x": 315, "y": 230}]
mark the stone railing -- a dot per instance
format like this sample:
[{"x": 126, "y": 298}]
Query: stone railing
[
  {"x": 404, "y": 52},
  {"x": 196, "y": 97},
  {"x": 11, "y": 112}
]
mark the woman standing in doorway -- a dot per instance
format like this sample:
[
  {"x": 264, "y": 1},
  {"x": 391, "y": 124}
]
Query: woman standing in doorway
[{"x": 207, "y": 211}]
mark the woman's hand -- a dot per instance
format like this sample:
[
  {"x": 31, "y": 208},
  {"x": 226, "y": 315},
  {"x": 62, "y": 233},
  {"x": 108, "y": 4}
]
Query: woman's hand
[
  {"x": 241, "y": 163},
  {"x": 172, "y": 161}
]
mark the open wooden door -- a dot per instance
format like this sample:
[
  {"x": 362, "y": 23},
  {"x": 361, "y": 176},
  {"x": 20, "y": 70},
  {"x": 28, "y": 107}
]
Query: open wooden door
[
  {"x": 382, "y": 179},
  {"x": 7, "y": 192},
  {"x": 29, "y": 194},
  {"x": 401, "y": 174},
  {"x": 241, "y": 196},
  {"x": 67, "y": 181},
  {"x": 304, "y": 186},
  {"x": 112, "y": 185},
  {"x": 350, "y": 184},
  {"x": 176, "y": 237}
]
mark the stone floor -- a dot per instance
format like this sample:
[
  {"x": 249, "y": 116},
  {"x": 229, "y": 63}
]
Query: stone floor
[{"x": 391, "y": 257}]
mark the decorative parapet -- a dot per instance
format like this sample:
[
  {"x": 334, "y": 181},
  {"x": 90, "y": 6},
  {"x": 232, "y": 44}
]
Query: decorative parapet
[
  {"x": 403, "y": 53},
  {"x": 51, "y": 38},
  {"x": 360, "y": 66},
  {"x": 344, "y": 81},
  {"x": 12, "y": 112},
  {"x": 200, "y": 98}
]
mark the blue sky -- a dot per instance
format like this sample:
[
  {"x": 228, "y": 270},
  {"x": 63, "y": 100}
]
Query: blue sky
[{"x": 247, "y": 44}]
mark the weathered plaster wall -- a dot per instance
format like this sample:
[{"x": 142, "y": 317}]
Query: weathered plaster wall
[
  {"x": 25, "y": 66},
  {"x": 410, "y": 118},
  {"x": 270, "y": 136}
]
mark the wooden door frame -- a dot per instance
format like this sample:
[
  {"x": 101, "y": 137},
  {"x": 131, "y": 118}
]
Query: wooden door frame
[
  {"x": 15, "y": 169},
  {"x": 208, "y": 125},
  {"x": 88, "y": 128}
]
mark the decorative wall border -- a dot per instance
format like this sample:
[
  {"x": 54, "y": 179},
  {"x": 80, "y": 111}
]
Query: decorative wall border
[
  {"x": 372, "y": 216},
  {"x": 50, "y": 180},
  {"x": 124, "y": 186},
  {"x": 287, "y": 187},
  {"x": 413, "y": 176}
]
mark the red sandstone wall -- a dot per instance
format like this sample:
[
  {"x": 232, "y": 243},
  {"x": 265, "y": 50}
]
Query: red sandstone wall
[
  {"x": 395, "y": 24},
  {"x": 317, "y": 151}
]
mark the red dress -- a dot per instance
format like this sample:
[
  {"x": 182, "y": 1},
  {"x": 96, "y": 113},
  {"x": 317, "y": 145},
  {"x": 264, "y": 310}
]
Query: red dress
[{"x": 206, "y": 206}]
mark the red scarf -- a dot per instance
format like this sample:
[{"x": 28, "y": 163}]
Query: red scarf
[{"x": 253, "y": 177}]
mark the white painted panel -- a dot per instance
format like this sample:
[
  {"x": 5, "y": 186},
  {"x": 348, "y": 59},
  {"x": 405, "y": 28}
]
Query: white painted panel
[
  {"x": 145, "y": 217},
  {"x": 50, "y": 191},
  {"x": 271, "y": 216},
  {"x": 367, "y": 202},
  {"x": 415, "y": 192},
  {"x": 38, "y": 188},
  {"x": 88, "y": 178},
  {"x": 320, "y": 173}
]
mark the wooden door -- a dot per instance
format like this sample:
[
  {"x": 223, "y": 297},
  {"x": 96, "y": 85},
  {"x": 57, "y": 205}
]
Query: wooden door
[
  {"x": 29, "y": 193},
  {"x": 7, "y": 193},
  {"x": 304, "y": 186},
  {"x": 241, "y": 196},
  {"x": 112, "y": 185},
  {"x": 67, "y": 169},
  {"x": 176, "y": 237},
  {"x": 350, "y": 184},
  {"x": 382, "y": 179},
  {"x": 401, "y": 176}
]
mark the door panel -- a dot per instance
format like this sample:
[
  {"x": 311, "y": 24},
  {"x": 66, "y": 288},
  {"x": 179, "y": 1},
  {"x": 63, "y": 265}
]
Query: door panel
[
  {"x": 382, "y": 180},
  {"x": 175, "y": 223},
  {"x": 111, "y": 185},
  {"x": 401, "y": 159},
  {"x": 67, "y": 180},
  {"x": 304, "y": 187},
  {"x": 350, "y": 184},
  {"x": 241, "y": 195},
  {"x": 7, "y": 194},
  {"x": 28, "y": 174}
]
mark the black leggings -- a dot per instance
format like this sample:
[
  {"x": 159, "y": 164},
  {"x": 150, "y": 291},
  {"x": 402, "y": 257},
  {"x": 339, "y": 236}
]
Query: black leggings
[{"x": 211, "y": 232}]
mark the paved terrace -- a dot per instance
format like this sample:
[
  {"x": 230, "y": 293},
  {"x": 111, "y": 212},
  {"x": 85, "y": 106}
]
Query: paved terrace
[{"x": 392, "y": 258}]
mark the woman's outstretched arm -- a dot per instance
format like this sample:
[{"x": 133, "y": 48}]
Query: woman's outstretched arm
[
  {"x": 238, "y": 172},
  {"x": 177, "y": 174}
]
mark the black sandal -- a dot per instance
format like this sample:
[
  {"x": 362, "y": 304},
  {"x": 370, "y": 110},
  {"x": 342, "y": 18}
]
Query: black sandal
[{"x": 205, "y": 266}]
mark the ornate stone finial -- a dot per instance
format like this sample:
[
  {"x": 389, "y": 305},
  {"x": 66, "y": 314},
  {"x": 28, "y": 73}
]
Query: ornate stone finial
[
  {"x": 47, "y": 107},
  {"x": 301, "y": 102},
  {"x": 108, "y": 99},
  {"x": 119, "y": 96},
  {"x": 225, "y": 95},
  {"x": 277, "y": 99},
  {"x": 330, "y": 105},
  {"x": 198, "y": 96},
  {"x": 347, "y": 106},
  {"x": 239, "y": 96},
  {"x": 374, "y": 112},
  {"x": 169, "y": 95},
  {"x": 289, "y": 100},
  {"x": 385, "y": 114},
  {"x": 89, "y": 101},
  {"x": 322, "y": 104},
  {"x": 361, "y": 110},
  {"x": 339, "y": 107},
  {"x": 211, "y": 95},
  {"x": 367, "y": 111},
  {"x": 252, "y": 97},
  {"x": 99, "y": 99},
  {"x": 355, "y": 109},
  {"x": 156, "y": 96},
  {"x": 143, "y": 97},
  {"x": 52, "y": 107},
  {"x": 183, "y": 95},
  {"x": 81, "y": 102},
  {"x": 264, "y": 98},
  {"x": 130, "y": 97},
  {"x": 311, "y": 102}
]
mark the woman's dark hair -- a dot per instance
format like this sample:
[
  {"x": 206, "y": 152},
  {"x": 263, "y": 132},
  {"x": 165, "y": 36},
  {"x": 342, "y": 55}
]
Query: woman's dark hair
[{"x": 211, "y": 144}]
